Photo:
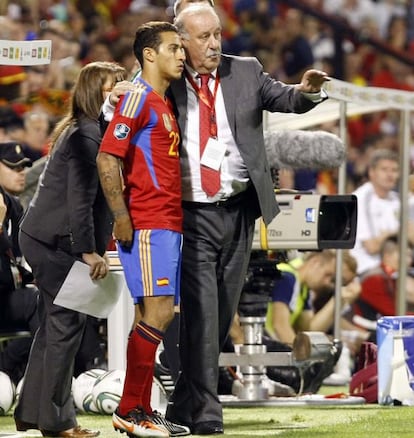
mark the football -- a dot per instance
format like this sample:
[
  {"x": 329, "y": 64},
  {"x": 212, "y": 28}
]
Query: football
[
  {"x": 107, "y": 391},
  {"x": 82, "y": 390},
  {"x": 18, "y": 389},
  {"x": 7, "y": 393}
]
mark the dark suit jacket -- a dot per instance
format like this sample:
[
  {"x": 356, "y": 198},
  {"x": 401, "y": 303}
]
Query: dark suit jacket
[
  {"x": 247, "y": 91},
  {"x": 9, "y": 240},
  {"x": 69, "y": 209}
]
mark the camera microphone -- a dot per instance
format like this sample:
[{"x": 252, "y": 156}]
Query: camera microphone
[{"x": 299, "y": 149}]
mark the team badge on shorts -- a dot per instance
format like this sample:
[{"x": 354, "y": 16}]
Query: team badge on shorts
[{"x": 121, "y": 131}]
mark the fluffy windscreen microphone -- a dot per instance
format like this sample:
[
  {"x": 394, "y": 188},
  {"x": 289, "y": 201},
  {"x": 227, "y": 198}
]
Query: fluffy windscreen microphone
[{"x": 298, "y": 149}]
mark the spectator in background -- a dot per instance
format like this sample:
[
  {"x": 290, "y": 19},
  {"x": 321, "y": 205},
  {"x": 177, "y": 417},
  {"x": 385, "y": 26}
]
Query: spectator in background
[
  {"x": 99, "y": 51},
  {"x": 378, "y": 209},
  {"x": 35, "y": 82},
  {"x": 397, "y": 34},
  {"x": 11, "y": 78},
  {"x": 11, "y": 124},
  {"x": 296, "y": 52},
  {"x": 37, "y": 127},
  {"x": 319, "y": 38},
  {"x": 31, "y": 130},
  {"x": 351, "y": 289},
  {"x": 355, "y": 12},
  {"x": 124, "y": 55},
  {"x": 18, "y": 301},
  {"x": 290, "y": 308},
  {"x": 13, "y": 163},
  {"x": 54, "y": 30},
  {"x": 77, "y": 28},
  {"x": 379, "y": 287}
]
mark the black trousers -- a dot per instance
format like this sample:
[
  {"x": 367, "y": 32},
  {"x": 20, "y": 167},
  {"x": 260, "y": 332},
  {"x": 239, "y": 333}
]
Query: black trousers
[
  {"x": 216, "y": 252},
  {"x": 18, "y": 311},
  {"x": 45, "y": 398}
]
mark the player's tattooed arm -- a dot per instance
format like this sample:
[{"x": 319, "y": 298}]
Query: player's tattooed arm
[{"x": 109, "y": 170}]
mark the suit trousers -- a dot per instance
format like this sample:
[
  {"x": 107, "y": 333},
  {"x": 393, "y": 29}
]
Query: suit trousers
[
  {"x": 216, "y": 251},
  {"x": 45, "y": 398}
]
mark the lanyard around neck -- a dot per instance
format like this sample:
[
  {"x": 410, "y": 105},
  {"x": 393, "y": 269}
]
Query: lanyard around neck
[
  {"x": 200, "y": 93},
  {"x": 210, "y": 103}
]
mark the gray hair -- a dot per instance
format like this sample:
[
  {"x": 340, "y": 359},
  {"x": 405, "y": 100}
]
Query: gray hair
[
  {"x": 382, "y": 154},
  {"x": 178, "y": 4},
  {"x": 189, "y": 11}
]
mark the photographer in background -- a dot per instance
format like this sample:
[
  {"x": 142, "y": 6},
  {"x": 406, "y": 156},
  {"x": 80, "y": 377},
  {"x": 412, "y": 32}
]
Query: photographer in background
[{"x": 18, "y": 299}]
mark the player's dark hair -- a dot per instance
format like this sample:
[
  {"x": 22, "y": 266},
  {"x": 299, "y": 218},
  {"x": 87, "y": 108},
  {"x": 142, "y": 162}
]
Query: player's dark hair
[{"x": 149, "y": 35}]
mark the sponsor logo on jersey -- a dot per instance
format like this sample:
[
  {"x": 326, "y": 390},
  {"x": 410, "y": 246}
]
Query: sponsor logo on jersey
[{"x": 121, "y": 131}]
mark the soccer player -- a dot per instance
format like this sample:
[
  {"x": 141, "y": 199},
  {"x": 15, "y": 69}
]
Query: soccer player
[{"x": 142, "y": 142}]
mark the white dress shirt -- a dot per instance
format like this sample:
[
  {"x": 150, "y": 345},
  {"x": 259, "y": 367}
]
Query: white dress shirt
[
  {"x": 375, "y": 215},
  {"x": 233, "y": 171}
]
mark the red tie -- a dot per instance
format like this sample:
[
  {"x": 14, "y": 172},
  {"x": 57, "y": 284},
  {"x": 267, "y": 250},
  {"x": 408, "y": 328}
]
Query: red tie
[{"x": 210, "y": 178}]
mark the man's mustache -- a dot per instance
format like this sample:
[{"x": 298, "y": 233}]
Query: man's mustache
[{"x": 213, "y": 53}]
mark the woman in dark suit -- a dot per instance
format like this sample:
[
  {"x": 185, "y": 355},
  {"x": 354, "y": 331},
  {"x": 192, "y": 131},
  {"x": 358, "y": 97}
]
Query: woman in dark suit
[{"x": 67, "y": 220}]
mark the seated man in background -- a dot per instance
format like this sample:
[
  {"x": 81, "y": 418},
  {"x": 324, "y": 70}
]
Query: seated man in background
[
  {"x": 291, "y": 309},
  {"x": 18, "y": 301},
  {"x": 350, "y": 291},
  {"x": 379, "y": 288},
  {"x": 378, "y": 209},
  {"x": 351, "y": 335}
]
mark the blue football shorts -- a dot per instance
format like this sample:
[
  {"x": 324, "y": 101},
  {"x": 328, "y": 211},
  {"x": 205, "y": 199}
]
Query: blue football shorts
[{"x": 152, "y": 265}]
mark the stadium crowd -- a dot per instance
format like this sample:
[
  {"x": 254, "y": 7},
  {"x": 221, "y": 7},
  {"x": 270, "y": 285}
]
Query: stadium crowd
[{"x": 286, "y": 40}]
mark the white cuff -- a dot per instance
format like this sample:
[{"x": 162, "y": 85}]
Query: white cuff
[
  {"x": 316, "y": 97},
  {"x": 108, "y": 109}
]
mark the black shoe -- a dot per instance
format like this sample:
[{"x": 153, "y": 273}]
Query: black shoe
[
  {"x": 288, "y": 375},
  {"x": 208, "y": 428},
  {"x": 310, "y": 376},
  {"x": 174, "y": 429},
  {"x": 163, "y": 379},
  {"x": 171, "y": 414}
]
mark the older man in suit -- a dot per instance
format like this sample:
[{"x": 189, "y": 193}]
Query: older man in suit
[
  {"x": 220, "y": 213},
  {"x": 226, "y": 185}
]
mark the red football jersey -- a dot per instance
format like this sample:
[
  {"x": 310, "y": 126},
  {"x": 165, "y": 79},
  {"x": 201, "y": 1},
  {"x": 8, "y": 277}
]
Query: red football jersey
[{"x": 144, "y": 133}]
